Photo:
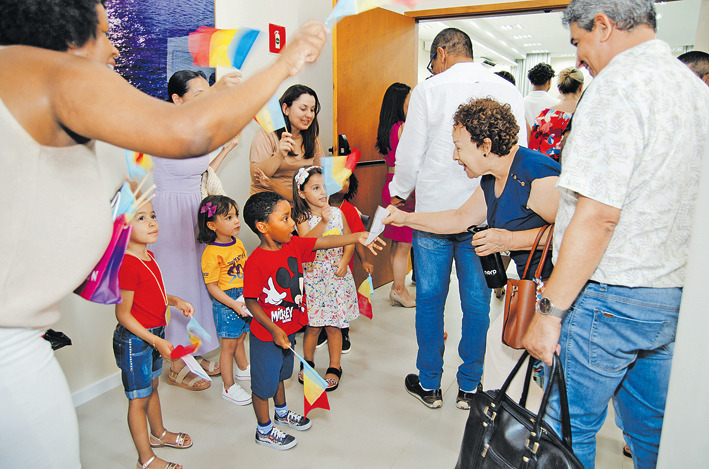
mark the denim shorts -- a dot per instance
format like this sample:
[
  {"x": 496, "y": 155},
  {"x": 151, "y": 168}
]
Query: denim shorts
[
  {"x": 270, "y": 365},
  {"x": 228, "y": 323},
  {"x": 139, "y": 362}
]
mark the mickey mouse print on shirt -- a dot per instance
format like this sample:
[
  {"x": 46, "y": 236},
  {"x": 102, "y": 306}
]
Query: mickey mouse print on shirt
[{"x": 275, "y": 279}]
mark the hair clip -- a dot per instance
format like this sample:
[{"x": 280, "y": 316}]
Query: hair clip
[
  {"x": 302, "y": 175},
  {"x": 210, "y": 208}
]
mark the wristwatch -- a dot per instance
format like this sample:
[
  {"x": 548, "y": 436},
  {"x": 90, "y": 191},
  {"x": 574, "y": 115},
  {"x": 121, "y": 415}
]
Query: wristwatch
[{"x": 546, "y": 307}]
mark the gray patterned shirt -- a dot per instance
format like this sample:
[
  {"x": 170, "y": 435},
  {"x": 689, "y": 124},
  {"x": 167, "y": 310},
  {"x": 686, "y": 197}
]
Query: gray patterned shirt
[{"x": 639, "y": 135}]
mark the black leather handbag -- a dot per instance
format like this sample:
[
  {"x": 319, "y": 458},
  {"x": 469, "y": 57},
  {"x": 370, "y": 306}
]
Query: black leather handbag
[{"x": 501, "y": 433}]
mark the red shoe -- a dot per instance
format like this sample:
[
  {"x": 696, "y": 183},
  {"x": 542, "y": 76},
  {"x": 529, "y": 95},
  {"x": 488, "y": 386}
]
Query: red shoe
[{"x": 445, "y": 335}]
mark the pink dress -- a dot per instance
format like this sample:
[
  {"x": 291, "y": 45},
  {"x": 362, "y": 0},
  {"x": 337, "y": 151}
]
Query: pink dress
[{"x": 396, "y": 233}]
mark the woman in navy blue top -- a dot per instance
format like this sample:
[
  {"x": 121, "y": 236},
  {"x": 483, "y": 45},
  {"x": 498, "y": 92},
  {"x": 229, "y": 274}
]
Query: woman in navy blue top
[{"x": 517, "y": 192}]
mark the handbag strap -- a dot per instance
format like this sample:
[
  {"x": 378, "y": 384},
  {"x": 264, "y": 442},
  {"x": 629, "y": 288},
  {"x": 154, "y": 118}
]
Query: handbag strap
[
  {"x": 538, "y": 273},
  {"x": 534, "y": 248},
  {"x": 557, "y": 377}
]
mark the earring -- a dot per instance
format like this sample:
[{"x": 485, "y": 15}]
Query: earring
[{"x": 484, "y": 155}]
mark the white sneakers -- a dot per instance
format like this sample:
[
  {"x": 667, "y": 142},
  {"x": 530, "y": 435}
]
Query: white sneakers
[
  {"x": 243, "y": 375},
  {"x": 236, "y": 395}
]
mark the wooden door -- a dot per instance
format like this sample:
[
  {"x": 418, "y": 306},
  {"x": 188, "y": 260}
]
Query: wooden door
[{"x": 372, "y": 50}]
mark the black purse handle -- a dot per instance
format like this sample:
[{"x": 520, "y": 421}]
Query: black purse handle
[{"x": 557, "y": 377}]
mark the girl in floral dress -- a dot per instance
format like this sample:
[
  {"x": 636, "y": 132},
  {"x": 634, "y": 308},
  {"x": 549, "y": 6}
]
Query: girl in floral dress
[{"x": 330, "y": 293}]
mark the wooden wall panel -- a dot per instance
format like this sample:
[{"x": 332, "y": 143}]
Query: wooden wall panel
[{"x": 371, "y": 51}]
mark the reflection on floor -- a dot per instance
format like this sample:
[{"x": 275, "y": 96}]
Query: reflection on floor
[{"x": 373, "y": 422}]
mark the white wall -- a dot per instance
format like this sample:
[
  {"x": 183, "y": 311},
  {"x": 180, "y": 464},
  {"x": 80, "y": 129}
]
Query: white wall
[
  {"x": 234, "y": 173},
  {"x": 684, "y": 432}
]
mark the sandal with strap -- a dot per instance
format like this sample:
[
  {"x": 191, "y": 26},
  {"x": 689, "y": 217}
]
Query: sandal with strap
[
  {"x": 332, "y": 383},
  {"x": 169, "y": 465},
  {"x": 178, "y": 379},
  {"x": 179, "y": 441},
  {"x": 300, "y": 373},
  {"x": 212, "y": 368}
]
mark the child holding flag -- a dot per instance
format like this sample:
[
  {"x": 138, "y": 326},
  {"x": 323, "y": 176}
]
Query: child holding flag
[
  {"x": 223, "y": 270},
  {"x": 139, "y": 343},
  {"x": 341, "y": 200},
  {"x": 329, "y": 285},
  {"x": 273, "y": 291}
]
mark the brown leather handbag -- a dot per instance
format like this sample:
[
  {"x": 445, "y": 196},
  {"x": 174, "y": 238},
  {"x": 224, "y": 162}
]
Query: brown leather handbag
[{"x": 520, "y": 296}]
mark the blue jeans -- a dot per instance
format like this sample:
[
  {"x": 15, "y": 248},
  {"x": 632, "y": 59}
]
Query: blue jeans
[
  {"x": 617, "y": 343},
  {"x": 433, "y": 257},
  {"x": 139, "y": 362}
]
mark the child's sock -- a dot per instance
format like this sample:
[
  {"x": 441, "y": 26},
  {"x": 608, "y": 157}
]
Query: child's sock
[
  {"x": 282, "y": 411},
  {"x": 264, "y": 429}
]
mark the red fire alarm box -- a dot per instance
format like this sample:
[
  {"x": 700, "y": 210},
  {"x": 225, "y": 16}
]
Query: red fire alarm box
[{"x": 276, "y": 38}]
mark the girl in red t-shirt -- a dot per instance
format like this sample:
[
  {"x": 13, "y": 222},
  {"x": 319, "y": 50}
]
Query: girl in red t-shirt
[{"x": 138, "y": 341}]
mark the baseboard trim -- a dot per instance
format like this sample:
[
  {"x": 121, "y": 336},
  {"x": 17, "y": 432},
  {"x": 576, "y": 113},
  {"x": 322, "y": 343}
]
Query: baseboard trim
[{"x": 93, "y": 390}]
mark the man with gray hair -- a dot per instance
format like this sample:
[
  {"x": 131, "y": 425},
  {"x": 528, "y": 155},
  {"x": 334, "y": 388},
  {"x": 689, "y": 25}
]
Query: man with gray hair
[
  {"x": 698, "y": 61},
  {"x": 629, "y": 182}
]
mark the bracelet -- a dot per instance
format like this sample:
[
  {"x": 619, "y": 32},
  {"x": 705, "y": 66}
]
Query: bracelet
[{"x": 154, "y": 339}]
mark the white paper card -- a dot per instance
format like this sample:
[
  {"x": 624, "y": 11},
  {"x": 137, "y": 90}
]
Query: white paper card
[
  {"x": 241, "y": 298},
  {"x": 377, "y": 225},
  {"x": 195, "y": 367}
]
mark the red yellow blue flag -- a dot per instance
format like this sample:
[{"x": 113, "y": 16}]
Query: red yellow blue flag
[
  {"x": 364, "y": 297},
  {"x": 314, "y": 395},
  {"x": 336, "y": 170},
  {"x": 139, "y": 164},
  {"x": 225, "y": 47},
  {"x": 197, "y": 335},
  {"x": 270, "y": 117}
]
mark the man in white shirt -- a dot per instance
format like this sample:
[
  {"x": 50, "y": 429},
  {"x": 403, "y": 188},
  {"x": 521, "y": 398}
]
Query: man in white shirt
[
  {"x": 539, "y": 98},
  {"x": 629, "y": 184},
  {"x": 424, "y": 161}
]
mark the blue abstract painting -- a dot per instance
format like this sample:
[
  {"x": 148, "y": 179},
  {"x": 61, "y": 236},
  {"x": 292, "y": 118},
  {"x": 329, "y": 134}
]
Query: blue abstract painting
[{"x": 151, "y": 36}]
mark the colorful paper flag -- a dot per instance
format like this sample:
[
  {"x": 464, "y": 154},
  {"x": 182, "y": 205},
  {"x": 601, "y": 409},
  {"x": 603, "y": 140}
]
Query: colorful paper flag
[
  {"x": 225, "y": 47},
  {"x": 364, "y": 297},
  {"x": 122, "y": 201},
  {"x": 197, "y": 336},
  {"x": 336, "y": 170},
  {"x": 350, "y": 7},
  {"x": 314, "y": 395},
  {"x": 139, "y": 164},
  {"x": 271, "y": 116}
]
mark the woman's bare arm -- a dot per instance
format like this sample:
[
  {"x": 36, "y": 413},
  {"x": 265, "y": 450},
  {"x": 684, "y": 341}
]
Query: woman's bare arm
[
  {"x": 472, "y": 212},
  {"x": 93, "y": 101}
]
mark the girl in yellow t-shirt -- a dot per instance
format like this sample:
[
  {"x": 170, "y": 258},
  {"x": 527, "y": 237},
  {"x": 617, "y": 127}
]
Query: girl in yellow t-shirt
[{"x": 223, "y": 271}]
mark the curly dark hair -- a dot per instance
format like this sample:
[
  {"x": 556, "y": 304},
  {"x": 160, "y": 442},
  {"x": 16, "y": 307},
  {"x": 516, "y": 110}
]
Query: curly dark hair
[
  {"x": 540, "y": 74},
  {"x": 259, "y": 208},
  {"x": 49, "y": 24},
  {"x": 486, "y": 118}
]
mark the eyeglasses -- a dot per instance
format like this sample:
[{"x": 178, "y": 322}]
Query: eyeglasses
[{"x": 429, "y": 67}]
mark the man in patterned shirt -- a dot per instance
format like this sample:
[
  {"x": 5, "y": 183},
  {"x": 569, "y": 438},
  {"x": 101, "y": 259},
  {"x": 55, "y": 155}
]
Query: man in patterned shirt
[{"x": 632, "y": 164}]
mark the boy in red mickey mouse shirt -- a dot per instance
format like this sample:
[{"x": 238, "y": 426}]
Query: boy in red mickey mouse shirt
[{"x": 273, "y": 291}]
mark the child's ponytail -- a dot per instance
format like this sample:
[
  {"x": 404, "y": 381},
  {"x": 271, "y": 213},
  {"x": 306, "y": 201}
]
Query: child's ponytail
[{"x": 208, "y": 210}]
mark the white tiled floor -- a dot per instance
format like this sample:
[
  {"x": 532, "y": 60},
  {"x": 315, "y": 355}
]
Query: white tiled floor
[{"x": 373, "y": 422}]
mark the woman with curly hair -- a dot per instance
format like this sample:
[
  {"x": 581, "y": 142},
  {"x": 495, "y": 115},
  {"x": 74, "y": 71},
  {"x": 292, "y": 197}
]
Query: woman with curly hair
[{"x": 517, "y": 193}]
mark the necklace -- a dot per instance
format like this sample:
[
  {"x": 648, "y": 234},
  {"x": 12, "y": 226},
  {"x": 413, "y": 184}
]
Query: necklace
[{"x": 162, "y": 291}]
